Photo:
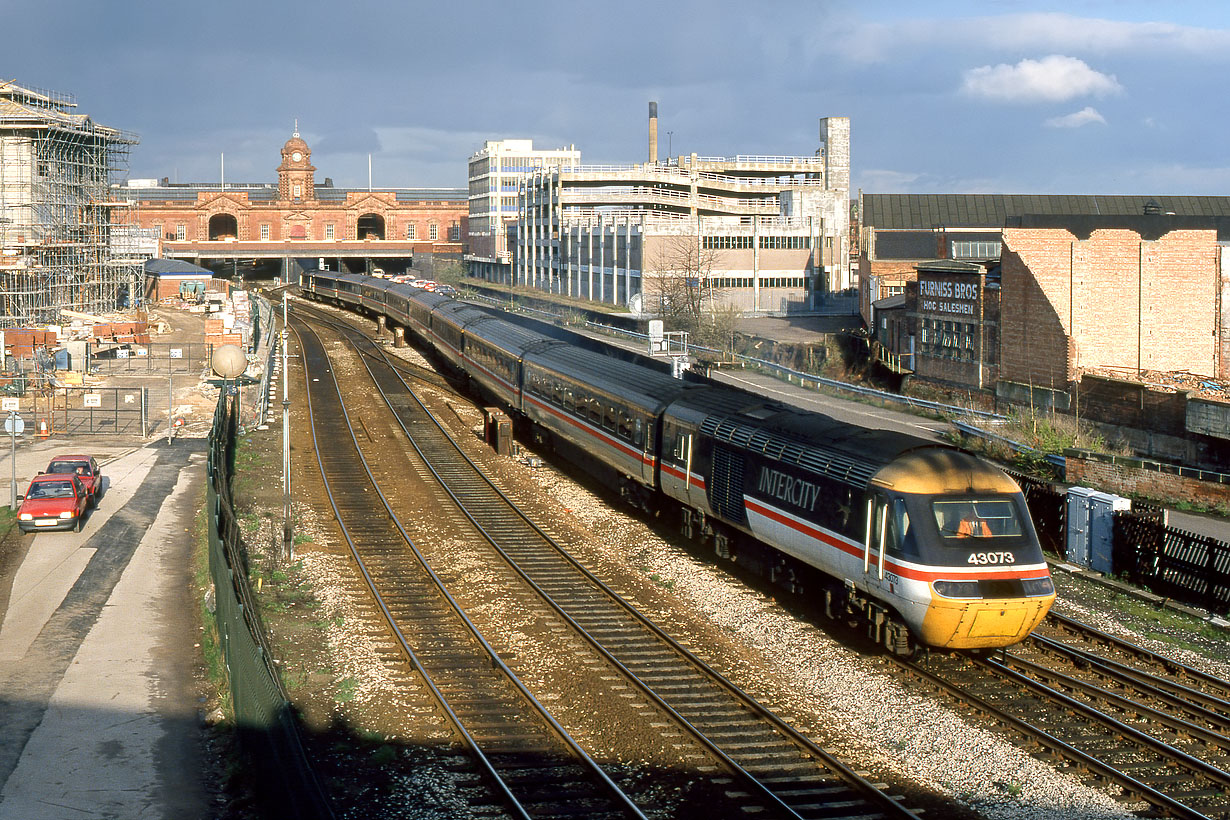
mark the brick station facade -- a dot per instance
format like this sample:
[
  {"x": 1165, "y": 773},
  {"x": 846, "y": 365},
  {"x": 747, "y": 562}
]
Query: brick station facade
[{"x": 298, "y": 212}]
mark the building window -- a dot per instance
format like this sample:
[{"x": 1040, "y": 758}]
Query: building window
[
  {"x": 264, "y": 233},
  {"x": 181, "y": 232},
  {"x": 297, "y": 191},
  {"x": 433, "y": 232},
  {"x": 454, "y": 233},
  {"x": 411, "y": 231},
  {"x": 328, "y": 231},
  {"x": 976, "y": 250}
]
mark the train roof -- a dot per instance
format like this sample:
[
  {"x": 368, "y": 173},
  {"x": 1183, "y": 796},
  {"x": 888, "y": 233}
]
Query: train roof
[
  {"x": 641, "y": 385},
  {"x": 458, "y": 313},
  {"x": 426, "y": 298},
  {"x": 847, "y": 452},
  {"x": 514, "y": 339}
]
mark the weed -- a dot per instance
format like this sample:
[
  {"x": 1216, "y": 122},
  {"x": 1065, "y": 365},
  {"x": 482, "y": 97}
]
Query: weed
[
  {"x": 666, "y": 583},
  {"x": 346, "y": 690},
  {"x": 384, "y": 755}
]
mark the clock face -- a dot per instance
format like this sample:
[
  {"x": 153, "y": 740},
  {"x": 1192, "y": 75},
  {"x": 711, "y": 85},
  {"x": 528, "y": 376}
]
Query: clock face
[{"x": 296, "y": 156}]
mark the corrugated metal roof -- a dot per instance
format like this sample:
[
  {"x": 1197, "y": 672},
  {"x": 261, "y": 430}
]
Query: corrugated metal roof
[{"x": 931, "y": 211}]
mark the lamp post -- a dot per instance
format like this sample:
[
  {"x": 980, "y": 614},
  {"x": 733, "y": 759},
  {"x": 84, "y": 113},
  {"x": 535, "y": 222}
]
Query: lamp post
[
  {"x": 288, "y": 542},
  {"x": 229, "y": 362}
]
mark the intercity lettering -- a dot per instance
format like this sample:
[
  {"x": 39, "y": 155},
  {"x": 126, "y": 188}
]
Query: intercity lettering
[{"x": 802, "y": 494}]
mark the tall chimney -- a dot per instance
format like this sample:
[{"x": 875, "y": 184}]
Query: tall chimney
[{"x": 653, "y": 132}]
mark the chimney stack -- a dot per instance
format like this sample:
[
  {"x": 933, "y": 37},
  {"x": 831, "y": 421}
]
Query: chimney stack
[{"x": 653, "y": 132}]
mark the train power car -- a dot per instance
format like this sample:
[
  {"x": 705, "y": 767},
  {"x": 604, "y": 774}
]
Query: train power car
[
  {"x": 870, "y": 509},
  {"x": 922, "y": 543}
]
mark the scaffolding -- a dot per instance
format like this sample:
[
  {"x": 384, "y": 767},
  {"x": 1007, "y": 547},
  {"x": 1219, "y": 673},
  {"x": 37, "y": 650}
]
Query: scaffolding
[{"x": 57, "y": 217}]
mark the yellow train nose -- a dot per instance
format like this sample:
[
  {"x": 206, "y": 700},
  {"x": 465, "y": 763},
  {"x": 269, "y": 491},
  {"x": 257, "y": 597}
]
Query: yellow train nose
[{"x": 982, "y": 624}]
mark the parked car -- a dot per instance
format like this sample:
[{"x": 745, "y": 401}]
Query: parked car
[
  {"x": 85, "y": 468},
  {"x": 53, "y": 502}
]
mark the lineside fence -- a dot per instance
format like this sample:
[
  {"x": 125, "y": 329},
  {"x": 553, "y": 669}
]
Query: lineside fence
[
  {"x": 269, "y": 738},
  {"x": 1186, "y": 567}
]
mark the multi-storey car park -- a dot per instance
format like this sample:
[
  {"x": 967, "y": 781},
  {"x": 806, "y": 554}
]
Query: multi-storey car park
[{"x": 761, "y": 234}]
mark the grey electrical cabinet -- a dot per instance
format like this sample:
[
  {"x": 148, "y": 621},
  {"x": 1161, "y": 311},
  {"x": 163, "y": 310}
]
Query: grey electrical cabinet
[{"x": 1091, "y": 527}]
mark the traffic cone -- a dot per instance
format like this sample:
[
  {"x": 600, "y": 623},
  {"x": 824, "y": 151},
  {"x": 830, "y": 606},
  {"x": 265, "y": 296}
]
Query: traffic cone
[{"x": 42, "y": 429}]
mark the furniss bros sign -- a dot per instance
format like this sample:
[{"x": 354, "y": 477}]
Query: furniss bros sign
[{"x": 944, "y": 296}]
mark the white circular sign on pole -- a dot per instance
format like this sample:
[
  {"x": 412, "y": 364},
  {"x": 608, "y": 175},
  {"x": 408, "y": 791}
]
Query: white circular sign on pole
[{"x": 14, "y": 424}]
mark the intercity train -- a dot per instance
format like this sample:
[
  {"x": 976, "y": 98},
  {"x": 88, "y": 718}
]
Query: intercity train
[{"x": 919, "y": 543}]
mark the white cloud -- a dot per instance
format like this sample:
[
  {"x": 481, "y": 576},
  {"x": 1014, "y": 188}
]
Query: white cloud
[
  {"x": 878, "y": 41},
  {"x": 1051, "y": 79},
  {"x": 1076, "y": 119}
]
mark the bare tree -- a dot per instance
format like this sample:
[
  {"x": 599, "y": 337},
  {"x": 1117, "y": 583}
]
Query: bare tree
[{"x": 678, "y": 287}]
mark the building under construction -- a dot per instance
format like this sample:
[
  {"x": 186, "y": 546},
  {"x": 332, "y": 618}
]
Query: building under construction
[{"x": 57, "y": 237}]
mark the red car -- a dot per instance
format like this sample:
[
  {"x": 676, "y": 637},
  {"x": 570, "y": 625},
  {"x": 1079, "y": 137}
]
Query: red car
[
  {"x": 53, "y": 502},
  {"x": 84, "y": 467}
]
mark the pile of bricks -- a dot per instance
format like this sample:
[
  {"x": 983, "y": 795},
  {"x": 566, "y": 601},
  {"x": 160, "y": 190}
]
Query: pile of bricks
[
  {"x": 122, "y": 332},
  {"x": 217, "y": 333}
]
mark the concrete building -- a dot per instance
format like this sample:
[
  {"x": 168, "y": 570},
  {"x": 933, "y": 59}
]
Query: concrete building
[
  {"x": 296, "y": 217},
  {"x": 763, "y": 234},
  {"x": 495, "y": 175},
  {"x": 57, "y": 215}
]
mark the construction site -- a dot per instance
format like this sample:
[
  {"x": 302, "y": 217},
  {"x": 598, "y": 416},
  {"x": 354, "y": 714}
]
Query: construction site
[{"x": 60, "y": 245}]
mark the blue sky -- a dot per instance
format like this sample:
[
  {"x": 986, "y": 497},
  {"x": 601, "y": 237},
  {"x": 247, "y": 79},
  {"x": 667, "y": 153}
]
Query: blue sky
[{"x": 999, "y": 96}]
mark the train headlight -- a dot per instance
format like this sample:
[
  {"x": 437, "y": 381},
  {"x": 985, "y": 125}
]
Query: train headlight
[
  {"x": 957, "y": 589},
  {"x": 1037, "y": 587}
]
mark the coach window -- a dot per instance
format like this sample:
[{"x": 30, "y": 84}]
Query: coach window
[
  {"x": 625, "y": 425},
  {"x": 638, "y": 436}
]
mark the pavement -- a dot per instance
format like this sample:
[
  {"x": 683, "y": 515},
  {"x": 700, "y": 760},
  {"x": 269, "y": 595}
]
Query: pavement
[{"x": 98, "y": 647}]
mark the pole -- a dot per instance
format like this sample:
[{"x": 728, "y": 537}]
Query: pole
[
  {"x": 170, "y": 398},
  {"x": 288, "y": 541},
  {"x": 13, "y": 456}
]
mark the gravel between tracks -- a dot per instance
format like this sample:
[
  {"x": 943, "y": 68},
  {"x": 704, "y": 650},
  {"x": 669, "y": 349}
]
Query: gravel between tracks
[{"x": 806, "y": 674}]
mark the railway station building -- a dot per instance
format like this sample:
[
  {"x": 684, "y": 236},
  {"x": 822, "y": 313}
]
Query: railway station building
[
  {"x": 761, "y": 234},
  {"x": 297, "y": 217}
]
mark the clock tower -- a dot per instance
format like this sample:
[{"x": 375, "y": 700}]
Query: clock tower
[{"x": 296, "y": 176}]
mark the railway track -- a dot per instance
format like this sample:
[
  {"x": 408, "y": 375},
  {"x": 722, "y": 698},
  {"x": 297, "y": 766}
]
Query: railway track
[
  {"x": 1134, "y": 720},
  {"x": 749, "y": 760},
  {"x": 531, "y": 765}
]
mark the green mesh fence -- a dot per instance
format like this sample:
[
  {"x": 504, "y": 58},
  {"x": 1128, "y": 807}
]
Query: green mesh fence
[{"x": 275, "y": 761}]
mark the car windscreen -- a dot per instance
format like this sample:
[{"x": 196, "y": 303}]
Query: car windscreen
[
  {"x": 977, "y": 518},
  {"x": 51, "y": 489},
  {"x": 69, "y": 467}
]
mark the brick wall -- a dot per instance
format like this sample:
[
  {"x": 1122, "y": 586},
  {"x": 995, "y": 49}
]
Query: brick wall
[
  {"x": 1136, "y": 477},
  {"x": 1132, "y": 404},
  {"x": 895, "y": 270},
  {"x": 1111, "y": 300}
]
